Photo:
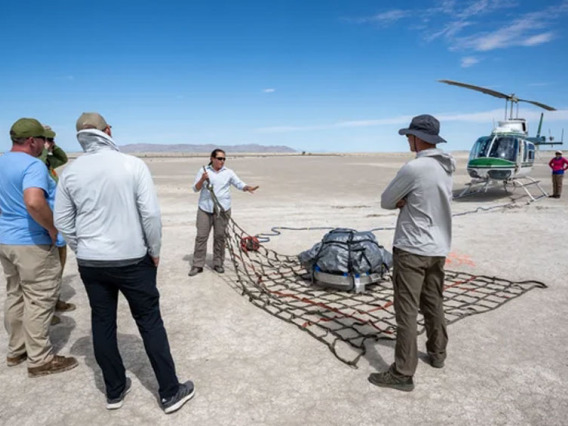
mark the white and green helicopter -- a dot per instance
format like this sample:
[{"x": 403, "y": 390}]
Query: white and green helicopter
[{"x": 507, "y": 155}]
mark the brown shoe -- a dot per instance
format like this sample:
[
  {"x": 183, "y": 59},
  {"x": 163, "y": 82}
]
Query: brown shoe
[
  {"x": 58, "y": 364},
  {"x": 62, "y": 306},
  {"x": 17, "y": 360},
  {"x": 55, "y": 320}
]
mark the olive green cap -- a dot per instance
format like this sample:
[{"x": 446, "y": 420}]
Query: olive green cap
[
  {"x": 49, "y": 133},
  {"x": 27, "y": 128},
  {"x": 91, "y": 120}
]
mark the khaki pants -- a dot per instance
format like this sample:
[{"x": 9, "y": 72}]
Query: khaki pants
[
  {"x": 205, "y": 221},
  {"x": 62, "y": 253},
  {"x": 32, "y": 285},
  {"x": 557, "y": 184},
  {"x": 418, "y": 283}
]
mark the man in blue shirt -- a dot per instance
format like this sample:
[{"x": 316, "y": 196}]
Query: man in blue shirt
[{"x": 28, "y": 254}]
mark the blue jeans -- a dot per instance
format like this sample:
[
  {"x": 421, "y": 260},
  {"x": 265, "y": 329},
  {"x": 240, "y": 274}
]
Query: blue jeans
[{"x": 138, "y": 285}]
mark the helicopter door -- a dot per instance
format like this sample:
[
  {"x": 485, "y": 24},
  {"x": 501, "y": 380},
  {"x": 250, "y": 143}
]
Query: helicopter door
[{"x": 528, "y": 155}]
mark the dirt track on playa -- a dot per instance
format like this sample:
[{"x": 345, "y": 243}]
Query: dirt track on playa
[{"x": 507, "y": 366}]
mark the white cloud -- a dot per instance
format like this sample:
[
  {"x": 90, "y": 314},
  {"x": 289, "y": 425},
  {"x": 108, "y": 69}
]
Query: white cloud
[
  {"x": 498, "y": 114},
  {"x": 449, "y": 19},
  {"x": 384, "y": 18},
  {"x": 483, "y": 7},
  {"x": 379, "y": 122},
  {"x": 269, "y": 90},
  {"x": 468, "y": 61},
  {"x": 538, "y": 39},
  {"x": 524, "y": 31},
  {"x": 472, "y": 117},
  {"x": 458, "y": 12},
  {"x": 512, "y": 35},
  {"x": 290, "y": 129},
  {"x": 449, "y": 31}
]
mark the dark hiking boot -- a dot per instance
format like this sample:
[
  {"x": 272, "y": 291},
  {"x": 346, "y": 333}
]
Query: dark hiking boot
[
  {"x": 436, "y": 363},
  {"x": 387, "y": 380},
  {"x": 116, "y": 403},
  {"x": 58, "y": 364},
  {"x": 195, "y": 271},
  {"x": 219, "y": 269},
  {"x": 185, "y": 393}
]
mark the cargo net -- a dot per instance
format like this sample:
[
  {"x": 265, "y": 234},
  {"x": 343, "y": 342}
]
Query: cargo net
[{"x": 344, "y": 321}]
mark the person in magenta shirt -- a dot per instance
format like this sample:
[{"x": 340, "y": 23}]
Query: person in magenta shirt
[{"x": 558, "y": 165}]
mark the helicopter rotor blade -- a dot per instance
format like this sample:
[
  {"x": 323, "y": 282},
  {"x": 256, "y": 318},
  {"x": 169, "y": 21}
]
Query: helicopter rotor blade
[
  {"x": 479, "y": 89},
  {"x": 511, "y": 98},
  {"x": 543, "y": 106}
]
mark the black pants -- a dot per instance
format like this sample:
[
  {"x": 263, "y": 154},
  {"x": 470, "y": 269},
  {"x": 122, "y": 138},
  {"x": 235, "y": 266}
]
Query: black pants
[{"x": 138, "y": 284}]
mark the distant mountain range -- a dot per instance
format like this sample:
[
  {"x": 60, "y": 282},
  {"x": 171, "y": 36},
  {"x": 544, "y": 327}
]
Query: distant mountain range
[{"x": 153, "y": 147}]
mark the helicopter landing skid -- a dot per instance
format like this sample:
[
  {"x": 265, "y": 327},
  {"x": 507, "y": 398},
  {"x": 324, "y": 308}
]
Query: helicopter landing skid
[{"x": 482, "y": 185}]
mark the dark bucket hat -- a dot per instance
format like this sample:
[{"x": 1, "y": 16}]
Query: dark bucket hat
[{"x": 425, "y": 127}]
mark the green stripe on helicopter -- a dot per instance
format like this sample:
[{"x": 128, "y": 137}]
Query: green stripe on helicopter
[{"x": 489, "y": 163}]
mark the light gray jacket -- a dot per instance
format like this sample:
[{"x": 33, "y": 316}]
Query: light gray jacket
[
  {"x": 424, "y": 224},
  {"x": 106, "y": 206}
]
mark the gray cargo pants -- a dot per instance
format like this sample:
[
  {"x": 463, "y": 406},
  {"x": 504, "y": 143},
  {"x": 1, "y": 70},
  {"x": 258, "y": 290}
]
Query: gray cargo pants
[
  {"x": 204, "y": 222},
  {"x": 418, "y": 283}
]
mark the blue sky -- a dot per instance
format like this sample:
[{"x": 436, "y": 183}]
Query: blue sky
[{"x": 315, "y": 75}]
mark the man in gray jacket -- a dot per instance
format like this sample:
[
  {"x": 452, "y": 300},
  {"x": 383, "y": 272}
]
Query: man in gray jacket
[
  {"x": 422, "y": 190},
  {"x": 107, "y": 210}
]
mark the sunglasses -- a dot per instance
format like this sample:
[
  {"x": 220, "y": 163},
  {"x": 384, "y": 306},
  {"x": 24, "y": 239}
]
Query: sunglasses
[{"x": 220, "y": 158}]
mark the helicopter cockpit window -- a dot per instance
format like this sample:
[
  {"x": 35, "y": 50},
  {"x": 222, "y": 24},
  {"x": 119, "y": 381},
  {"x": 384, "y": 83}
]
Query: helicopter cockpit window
[
  {"x": 481, "y": 147},
  {"x": 505, "y": 148}
]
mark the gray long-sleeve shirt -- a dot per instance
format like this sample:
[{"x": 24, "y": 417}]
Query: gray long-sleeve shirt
[
  {"x": 106, "y": 206},
  {"x": 424, "y": 225}
]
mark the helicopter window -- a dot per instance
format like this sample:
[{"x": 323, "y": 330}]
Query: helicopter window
[
  {"x": 530, "y": 150},
  {"x": 505, "y": 148},
  {"x": 528, "y": 154},
  {"x": 481, "y": 147}
]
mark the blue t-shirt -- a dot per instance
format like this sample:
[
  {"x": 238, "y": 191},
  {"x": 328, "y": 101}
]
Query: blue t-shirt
[
  {"x": 18, "y": 172},
  {"x": 59, "y": 242}
]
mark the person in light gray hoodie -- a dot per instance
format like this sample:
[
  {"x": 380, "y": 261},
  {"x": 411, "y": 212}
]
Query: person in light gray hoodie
[
  {"x": 422, "y": 190},
  {"x": 107, "y": 210}
]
